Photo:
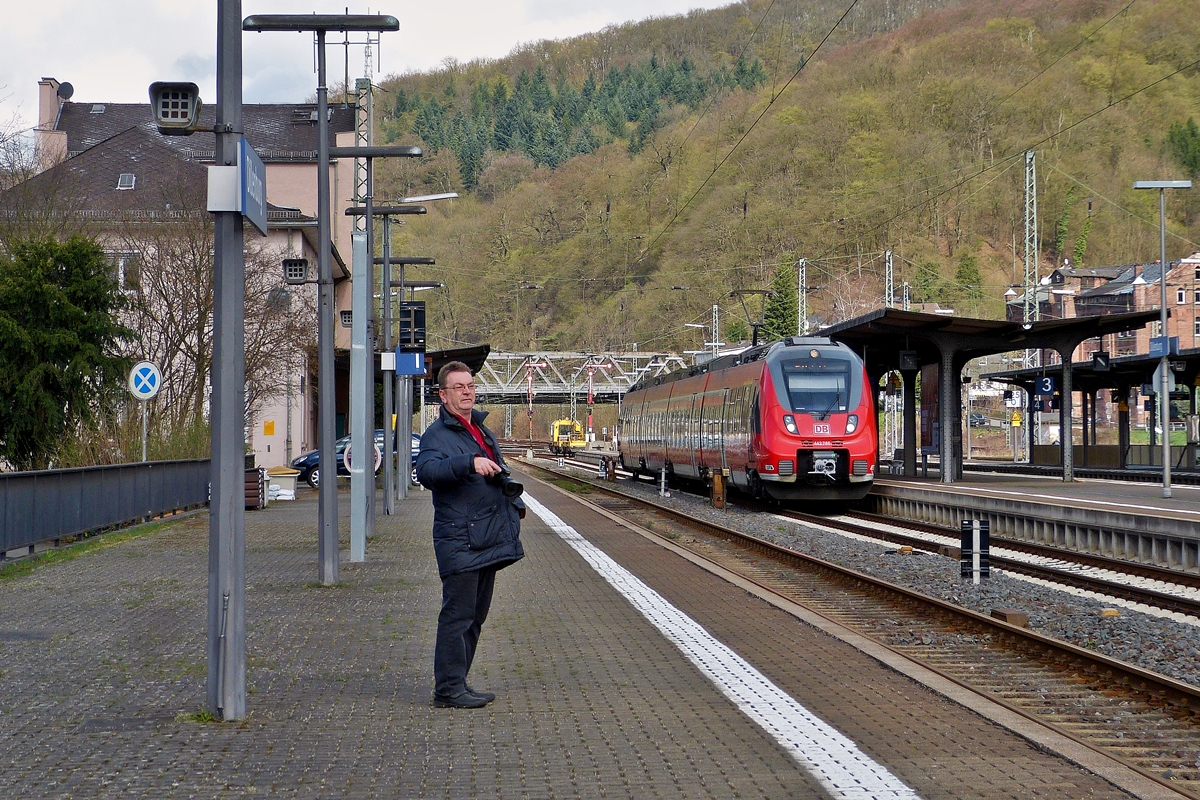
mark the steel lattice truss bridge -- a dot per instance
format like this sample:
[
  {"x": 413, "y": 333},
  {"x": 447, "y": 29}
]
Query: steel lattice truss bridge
[{"x": 548, "y": 377}]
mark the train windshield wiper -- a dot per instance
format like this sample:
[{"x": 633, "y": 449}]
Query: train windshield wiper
[{"x": 825, "y": 414}]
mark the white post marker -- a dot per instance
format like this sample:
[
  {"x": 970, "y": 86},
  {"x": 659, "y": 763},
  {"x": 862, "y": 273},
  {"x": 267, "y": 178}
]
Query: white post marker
[
  {"x": 145, "y": 380},
  {"x": 834, "y": 761}
]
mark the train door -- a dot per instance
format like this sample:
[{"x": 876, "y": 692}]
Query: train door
[
  {"x": 726, "y": 413},
  {"x": 690, "y": 435}
]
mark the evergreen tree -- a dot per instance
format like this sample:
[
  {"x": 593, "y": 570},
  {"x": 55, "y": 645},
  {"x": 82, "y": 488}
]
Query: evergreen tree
[
  {"x": 781, "y": 313},
  {"x": 588, "y": 92},
  {"x": 645, "y": 129},
  {"x": 929, "y": 284},
  {"x": 430, "y": 124},
  {"x": 1184, "y": 139},
  {"x": 540, "y": 96},
  {"x": 968, "y": 278},
  {"x": 60, "y": 344},
  {"x": 614, "y": 117}
]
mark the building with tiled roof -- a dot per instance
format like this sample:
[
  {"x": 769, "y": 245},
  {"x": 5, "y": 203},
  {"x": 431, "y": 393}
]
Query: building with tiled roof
[{"x": 106, "y": 166}]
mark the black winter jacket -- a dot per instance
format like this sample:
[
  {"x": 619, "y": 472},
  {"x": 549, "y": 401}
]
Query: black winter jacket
[{"x": 474, "y": 524}]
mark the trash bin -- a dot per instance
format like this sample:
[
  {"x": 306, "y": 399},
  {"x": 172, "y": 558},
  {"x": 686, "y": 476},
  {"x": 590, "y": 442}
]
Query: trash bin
[
  {"x": 282, "y": 483},
  {"x": 256, "y": 489}
]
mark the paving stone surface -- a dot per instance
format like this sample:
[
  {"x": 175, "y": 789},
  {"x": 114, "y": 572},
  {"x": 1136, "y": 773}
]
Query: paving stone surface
[{"x": 102, "y": 662}]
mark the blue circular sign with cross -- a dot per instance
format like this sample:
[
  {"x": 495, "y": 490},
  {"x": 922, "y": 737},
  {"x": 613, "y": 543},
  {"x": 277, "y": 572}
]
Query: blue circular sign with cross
[{"x": 145, "y": 380}]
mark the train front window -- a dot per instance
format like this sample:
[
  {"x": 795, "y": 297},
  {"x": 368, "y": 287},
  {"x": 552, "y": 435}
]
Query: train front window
[{"x": 818, "y": 386}]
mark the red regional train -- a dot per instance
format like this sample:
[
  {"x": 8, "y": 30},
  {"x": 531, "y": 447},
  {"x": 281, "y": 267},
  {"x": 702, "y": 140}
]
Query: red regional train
[{"x": 792, "y": 420}]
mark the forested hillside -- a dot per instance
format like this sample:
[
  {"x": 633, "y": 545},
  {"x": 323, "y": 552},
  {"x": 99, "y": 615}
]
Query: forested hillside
[{"x": 618, "y": 185}]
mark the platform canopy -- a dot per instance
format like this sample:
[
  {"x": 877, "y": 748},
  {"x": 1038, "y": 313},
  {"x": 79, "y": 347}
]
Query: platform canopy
[
  {"x": 1122, "y": 372},
  {"x": 889, "y": 339},
  {"x": 880, "y": 336}
]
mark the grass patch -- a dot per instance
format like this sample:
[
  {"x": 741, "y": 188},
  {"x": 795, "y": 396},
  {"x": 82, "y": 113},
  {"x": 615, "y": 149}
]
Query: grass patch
[
  {"x": 319, "y": 585},
  {"x": 92, "y": 544},
  {"x": 572, "y": 486},
  {"x": 197, "y": 717}
]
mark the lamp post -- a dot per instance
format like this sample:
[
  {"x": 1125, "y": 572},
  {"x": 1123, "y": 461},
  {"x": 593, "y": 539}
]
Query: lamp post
[
  {"x": 397, "y": 390},
  {"x": 321, "y": 24},
  {"x": 1164, "y": 389}
]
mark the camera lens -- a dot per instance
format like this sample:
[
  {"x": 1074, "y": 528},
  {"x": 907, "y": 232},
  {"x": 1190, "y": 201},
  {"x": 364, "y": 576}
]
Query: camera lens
[{"x": 510, "y": 487}]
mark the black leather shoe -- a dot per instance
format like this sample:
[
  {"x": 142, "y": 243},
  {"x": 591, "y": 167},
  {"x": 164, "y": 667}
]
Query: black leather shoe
[
  {"x": 487, "y": 696},
  {"x": 464, "y": 700}
]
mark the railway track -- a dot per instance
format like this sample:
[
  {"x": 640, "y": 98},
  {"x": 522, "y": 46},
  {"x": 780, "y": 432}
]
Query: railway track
[
  {"x": 1157, "y": 587},
  {"x": 1146, "y": 584},
  {"x": 1147, "y": 720}
]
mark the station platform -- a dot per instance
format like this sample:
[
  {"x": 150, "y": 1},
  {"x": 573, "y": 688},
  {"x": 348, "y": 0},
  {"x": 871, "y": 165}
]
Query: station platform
[
  {"x": 609, "y": 655},
  {"x": 1095, "y": 493}
]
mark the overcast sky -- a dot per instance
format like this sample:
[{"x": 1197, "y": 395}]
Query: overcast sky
[{"x": 111, "y": 50}]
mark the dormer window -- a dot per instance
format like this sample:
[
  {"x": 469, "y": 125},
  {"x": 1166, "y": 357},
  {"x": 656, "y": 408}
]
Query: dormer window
[
  {"x": 127, "y": 180},
  {"x": 98, "y": 108}
]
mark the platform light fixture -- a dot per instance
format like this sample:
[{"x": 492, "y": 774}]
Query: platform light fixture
[
  {"x": 295, "y": 271},
  {"x": 176, "y": 107}
]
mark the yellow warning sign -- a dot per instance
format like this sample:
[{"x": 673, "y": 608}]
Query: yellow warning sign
[
  {"x": 1016, "y": 419},
  {"x": 269, "y": 428}
]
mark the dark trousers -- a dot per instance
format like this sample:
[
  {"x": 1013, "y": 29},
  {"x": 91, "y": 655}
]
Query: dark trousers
[{"x": 466, "y": 599}]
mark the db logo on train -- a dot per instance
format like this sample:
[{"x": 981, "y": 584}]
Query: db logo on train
[{"x": 820, "y": 429}]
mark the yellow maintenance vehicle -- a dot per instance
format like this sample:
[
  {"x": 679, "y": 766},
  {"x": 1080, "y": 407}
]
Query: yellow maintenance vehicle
[{"x": 566, "y": 437}]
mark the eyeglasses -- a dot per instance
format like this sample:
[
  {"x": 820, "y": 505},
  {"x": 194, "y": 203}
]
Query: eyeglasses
[{"x": 458, "y": 387}]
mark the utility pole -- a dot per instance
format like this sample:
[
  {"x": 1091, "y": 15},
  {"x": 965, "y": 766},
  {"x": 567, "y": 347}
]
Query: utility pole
[
  {"x": 802, "y": 295},
  {"x": 889, "y": 281},
  {"x": 227, "y": 520},
  {"x": 1032, "y": 256}
]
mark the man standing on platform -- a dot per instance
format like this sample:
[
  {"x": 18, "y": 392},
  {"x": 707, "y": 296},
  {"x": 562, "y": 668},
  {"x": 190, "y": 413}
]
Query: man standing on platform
[{"x": 477, "y": 514}]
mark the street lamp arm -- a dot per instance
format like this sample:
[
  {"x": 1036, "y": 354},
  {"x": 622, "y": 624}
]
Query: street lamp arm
[
  {"x": 320, "y": 22},
  {"x": 385, "y": 211},
  {"x": 379, "y": 151}
]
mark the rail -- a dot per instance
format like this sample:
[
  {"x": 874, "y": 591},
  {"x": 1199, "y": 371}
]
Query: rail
[{"x": 49, "y": 505}]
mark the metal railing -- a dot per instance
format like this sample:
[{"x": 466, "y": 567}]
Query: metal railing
[{"x": 48, "y": 505}]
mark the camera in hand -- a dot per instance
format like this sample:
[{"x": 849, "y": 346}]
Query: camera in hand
[{"x": 510, "y": 487}]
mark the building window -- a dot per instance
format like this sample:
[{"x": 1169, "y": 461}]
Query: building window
[
  {"x": 126, "y": 269},
  {"x": 127, "y": 180},
  {"x": 1196, "y": 295},
  {"x": 1180, "y": 296},
  {"x": 1196, "y": 326}
]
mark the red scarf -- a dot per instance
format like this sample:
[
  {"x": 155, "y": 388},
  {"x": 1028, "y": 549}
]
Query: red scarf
[{"x": 477, "y": 434}]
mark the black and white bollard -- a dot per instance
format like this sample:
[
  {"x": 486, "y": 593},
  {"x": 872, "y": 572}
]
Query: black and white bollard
[
  {"x": 974, "y": 562},
  {"x": 662, "y": 483}
]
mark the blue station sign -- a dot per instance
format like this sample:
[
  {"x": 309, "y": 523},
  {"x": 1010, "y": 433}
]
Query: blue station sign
[{"x": 252, "y": 178}]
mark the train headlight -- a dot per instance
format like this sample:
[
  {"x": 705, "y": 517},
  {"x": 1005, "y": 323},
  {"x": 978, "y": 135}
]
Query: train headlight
[
  {"x": 789, "y": 422},
  {"x": 851, "y": 423}
]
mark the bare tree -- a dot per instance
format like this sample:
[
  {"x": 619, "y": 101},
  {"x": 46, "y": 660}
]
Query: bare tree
[
  {"x": 852, "y": 294},
  {"x": 173, "y": 316}
]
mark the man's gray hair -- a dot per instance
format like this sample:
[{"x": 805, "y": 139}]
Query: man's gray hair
[{"x": 449, "y": 367}]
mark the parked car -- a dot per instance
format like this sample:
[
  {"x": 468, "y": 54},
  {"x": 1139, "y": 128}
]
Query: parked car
[
  {"x": 309, "y": 463},
  {"x": 977, "y": 420},
  {"x": 416, "y": 450}
]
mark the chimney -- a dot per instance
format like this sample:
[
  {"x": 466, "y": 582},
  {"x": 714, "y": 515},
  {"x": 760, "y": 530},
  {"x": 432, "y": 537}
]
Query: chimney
[
  {"x": 50, "y": 145},
  {"x": 48, "y": 103}
]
